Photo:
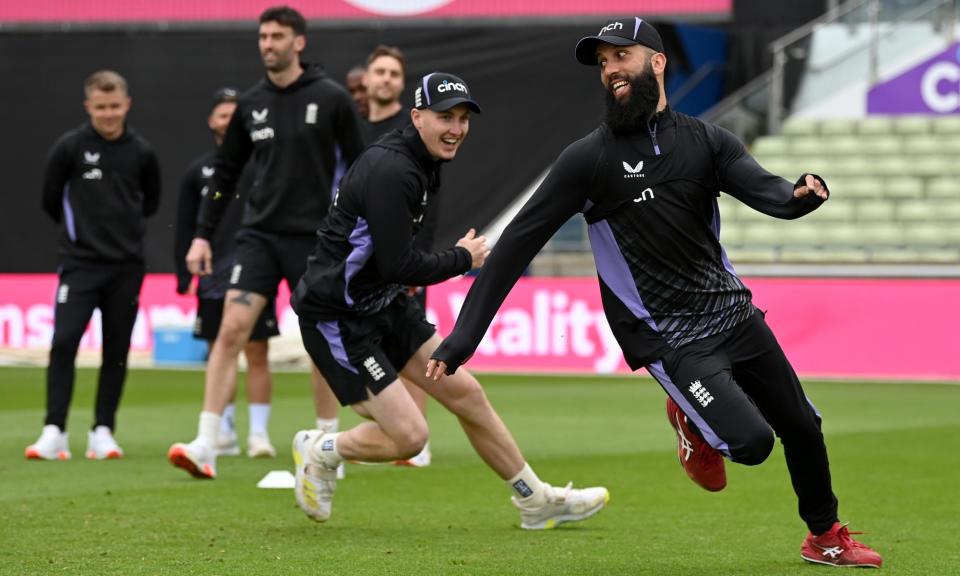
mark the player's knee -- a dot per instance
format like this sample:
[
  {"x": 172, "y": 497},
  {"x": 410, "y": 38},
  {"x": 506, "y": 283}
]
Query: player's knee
[
  {"x": 755, "y": 447},
  {"x": 412, "y": 440},
  {"x": 232, "y": 334}
]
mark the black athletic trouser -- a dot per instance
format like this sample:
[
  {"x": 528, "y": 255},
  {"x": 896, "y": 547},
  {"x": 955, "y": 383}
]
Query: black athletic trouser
[
  {"x": 116, "y": 293},
  {"x": 735, "y": 387}
]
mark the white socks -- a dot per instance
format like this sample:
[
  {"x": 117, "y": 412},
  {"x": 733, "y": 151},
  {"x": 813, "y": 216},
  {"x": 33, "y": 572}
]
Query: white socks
[
  {"x": 259, "y": 417},
  {"x": 208, "y": 429},
  {"x": 227, "y": 420},
  {"x": 325, "y": 450},
  {"x": 526, "y": 484},
  {"x": 328, "y": 424}
]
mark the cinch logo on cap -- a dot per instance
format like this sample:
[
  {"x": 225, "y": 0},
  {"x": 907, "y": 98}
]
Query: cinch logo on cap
[
  {"x": 611, "y": 26},
  {"x": 446, "y": 86}
]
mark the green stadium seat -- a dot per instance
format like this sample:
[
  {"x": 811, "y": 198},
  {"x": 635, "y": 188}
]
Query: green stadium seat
[
  {"x": 943, "y": 187},
  {"x": 800, "y": 127},
  {"x": 894, "y": 255},
  {"x": 929, "y": 210},
  {"x": 877, "y": 145},
  {"x": 926, "y": 234},
  {"x": 929, "y": 165},
  {"x": 838, "y": 127},
  {"x": 880, "y": 234},
  {"x": 806, "y": 146},
  {"x": 948, "y": 124},
  {"x": 770, "y": 146},
  {"x": 903, "y": 187},
  {"x": 835, "y": 209},
  {"x": 845, "y": 234},
  {"x": 778, "y": 165},
  {"x": 851, "y": 187},
  {"x": 757, "y": 234},
  {"x": 730, "y": 233},
  {"x": 804, "y": 255},
  {"x": 940, "y": 256},
  {"x": 921, "y": 145},
  {"x": 875, "y": 210},
  {"x": 897, "y": 165},
  {"x": 912, "y": 124},
  {"x": 876, "y": 126},
  {"x": 751, "y": 254}
]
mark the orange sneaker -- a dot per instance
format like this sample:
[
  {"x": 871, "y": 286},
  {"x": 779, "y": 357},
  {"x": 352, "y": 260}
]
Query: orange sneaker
[
  {"x": 197, "y": 460},
  {"x": 836, "y": 547},
  {"x": 702, "y": 463}
]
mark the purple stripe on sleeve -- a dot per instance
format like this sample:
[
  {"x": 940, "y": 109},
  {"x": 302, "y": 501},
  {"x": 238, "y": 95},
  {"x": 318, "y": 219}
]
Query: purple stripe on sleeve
[
  {"x": 362, "y": 244},
  {"x": 657, "y": 371},
  {"x": 715, "y": 226},
  {"x": 331, "y": 333},
  {"x": 613, "y": 268},
  {"x": 68, "y": 214}
]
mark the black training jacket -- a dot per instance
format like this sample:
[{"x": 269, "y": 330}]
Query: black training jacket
[
  {"x": 194, "y": 186},
  {"x": 365, "y": 253},
  {"x": 300, "y": 140},
  {"x": 101, "y": 192},
  {"x": 650, "y": 202}
]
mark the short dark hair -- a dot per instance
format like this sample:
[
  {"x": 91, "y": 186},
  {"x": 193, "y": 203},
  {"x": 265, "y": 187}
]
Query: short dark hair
[
  {"x": 105, "y": 81},
  {"x": 285, "y": 16},
  {"x": 392, "y": 51}
]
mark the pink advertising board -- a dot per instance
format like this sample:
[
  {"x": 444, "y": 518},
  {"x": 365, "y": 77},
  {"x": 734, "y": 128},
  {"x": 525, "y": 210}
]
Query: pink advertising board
[
  {"x": 193, "y": 10},
  {"x": 858, "y": 328}
]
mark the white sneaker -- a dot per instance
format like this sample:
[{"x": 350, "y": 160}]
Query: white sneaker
[
  {"x": 259, "y": 446},
  {"x": 101, "y": 445},
  {"x": 561, "y": 505},
  {"x": 227, "y": 444},
  {"x": 197, "y": 459},
  {"x": 421, "y": 460},
  {"x": 315, "y": 482},
  {"x": 52, "y": 445}
]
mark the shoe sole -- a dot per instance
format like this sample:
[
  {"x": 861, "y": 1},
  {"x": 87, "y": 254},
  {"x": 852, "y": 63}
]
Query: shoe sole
[
  {"x": 35, "y": 455},
  {"x": 179, "y": 458},
  {"x": 821, "y": 562},
  {"x": 111, "y": 455},
  {"x": 552, "y": 523}
]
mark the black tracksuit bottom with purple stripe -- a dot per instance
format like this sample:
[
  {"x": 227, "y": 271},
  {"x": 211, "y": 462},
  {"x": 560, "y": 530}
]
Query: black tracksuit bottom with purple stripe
[{"x": 739, "y": 390}]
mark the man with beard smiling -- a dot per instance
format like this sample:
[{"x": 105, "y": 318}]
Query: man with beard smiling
[
  {"x": 646, "y": 182},
  {"x": 300, "y": 130},
  {"x": 363, "y": 330}
]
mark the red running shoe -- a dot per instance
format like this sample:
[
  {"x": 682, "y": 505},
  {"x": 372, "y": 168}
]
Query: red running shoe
[
  {"x": 702, "y": 463},
  {"x": 835, "y": 547}
]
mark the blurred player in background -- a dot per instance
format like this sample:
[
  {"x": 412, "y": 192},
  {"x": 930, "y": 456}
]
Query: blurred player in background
[
  {"x": 646, "y": 182},
  {"x": 358, "y": 92},
  {"x": 384, "y": 81},
  {"x": 211, "y": 290},
  {"x": 102, "y": 182},
  {"x": 361, "y": 327},
  {"x": 302, "y": 132}
]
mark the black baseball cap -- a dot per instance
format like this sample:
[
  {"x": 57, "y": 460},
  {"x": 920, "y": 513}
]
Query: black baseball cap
[
  {"x": 225, "y": 94},
  {"x": 439, "y": 91},
  {"x": 623, "y": 32}
]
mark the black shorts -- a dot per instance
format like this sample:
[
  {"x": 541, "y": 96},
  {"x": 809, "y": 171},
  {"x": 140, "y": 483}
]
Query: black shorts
[
  {"x": 360, "y": 354},
  {"x": 210, "y": 314},
  {"x": 263, "y": 259}
]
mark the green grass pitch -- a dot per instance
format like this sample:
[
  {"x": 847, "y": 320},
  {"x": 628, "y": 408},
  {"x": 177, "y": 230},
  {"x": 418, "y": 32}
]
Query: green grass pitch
[{"x": 894, "y": 452}]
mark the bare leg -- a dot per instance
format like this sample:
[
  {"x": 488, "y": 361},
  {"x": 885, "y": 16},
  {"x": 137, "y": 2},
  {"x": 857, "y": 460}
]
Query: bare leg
[
  {"x": 240, "y": 311},
  {"x": 399, "y": 430},
  {"x": 259, "y": 379}
]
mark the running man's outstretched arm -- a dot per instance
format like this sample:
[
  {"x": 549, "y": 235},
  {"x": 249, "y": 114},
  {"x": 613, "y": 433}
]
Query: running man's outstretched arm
[{"x": 562, "y": 194}]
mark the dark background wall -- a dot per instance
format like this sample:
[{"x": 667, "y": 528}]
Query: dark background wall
[{"x": 536, "y": 100}]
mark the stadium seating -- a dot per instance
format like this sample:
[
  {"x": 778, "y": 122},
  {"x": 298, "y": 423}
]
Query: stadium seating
[{"x": 895, "y": 185}]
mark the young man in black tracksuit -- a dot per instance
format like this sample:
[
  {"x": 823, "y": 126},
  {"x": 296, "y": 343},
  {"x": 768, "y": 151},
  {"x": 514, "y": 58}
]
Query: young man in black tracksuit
[
  {"x": 383, "y": 80},
  {"x": 300, "y": 130},
  {"x": 363, "y": 330},
  {"x": 646, "y": 182},
  {"x": 211, "y": 290},
  {"x": 102, "y": 182}
]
